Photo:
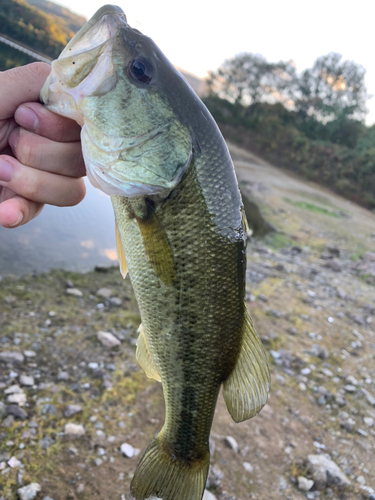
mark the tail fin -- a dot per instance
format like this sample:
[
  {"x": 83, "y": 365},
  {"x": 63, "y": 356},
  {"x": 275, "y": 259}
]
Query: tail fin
[{"x": 164, "y": 476}]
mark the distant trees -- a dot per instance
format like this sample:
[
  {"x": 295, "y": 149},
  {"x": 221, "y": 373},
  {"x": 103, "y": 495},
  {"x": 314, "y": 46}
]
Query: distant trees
[{"x": 333, "y": 89}]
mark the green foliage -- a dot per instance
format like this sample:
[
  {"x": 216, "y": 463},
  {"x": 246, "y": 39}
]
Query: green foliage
[
  {"x": 45, "y": 33},
  {"x": 10, "y": 57},
  {"x": 285, "y": 139}
]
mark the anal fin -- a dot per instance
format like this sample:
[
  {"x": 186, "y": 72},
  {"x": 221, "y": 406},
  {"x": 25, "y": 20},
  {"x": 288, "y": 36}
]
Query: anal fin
[
  {"x": 121, "y": 254},
  {"x": 144, "y": 357},
  {"x": 246, "y": 389}
]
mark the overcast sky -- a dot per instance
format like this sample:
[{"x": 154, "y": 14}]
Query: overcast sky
[{"x": 197, "y": 35}]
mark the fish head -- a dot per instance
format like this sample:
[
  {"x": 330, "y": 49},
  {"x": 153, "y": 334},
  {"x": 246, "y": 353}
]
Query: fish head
[{"x": 118, "y": 85}]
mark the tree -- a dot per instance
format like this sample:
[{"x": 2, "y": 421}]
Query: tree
[
  {"x": 333, "y": 88},
  {"x": 248, "y": 78}
]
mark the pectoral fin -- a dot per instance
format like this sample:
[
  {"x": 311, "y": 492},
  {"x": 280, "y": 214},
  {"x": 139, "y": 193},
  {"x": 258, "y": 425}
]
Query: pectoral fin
[
  {"x": 157, "y": 248},
  {"x": 121, "y": 254},
  {"x": 144, "y": 357},
  {"x": 246, "y": 389}
]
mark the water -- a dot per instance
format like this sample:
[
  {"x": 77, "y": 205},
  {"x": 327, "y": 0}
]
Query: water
[{"x": 75, "y": 238}]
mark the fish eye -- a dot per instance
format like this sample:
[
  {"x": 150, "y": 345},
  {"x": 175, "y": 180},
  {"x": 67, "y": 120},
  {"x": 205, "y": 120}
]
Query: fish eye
[{"x": 141, "y": 70}]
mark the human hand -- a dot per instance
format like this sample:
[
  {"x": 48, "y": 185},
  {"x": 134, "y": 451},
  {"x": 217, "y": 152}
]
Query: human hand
[{"x": 40, "y": 152}]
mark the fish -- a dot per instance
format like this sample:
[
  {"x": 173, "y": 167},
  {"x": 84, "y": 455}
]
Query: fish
[{"x": 150, "y": 143}]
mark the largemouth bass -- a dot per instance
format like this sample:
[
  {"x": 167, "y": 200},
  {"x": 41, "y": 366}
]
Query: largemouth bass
[{"x": 150, "y": 143}]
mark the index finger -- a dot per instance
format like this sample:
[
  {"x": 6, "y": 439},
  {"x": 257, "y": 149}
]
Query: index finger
[{"x": 21, "y": 85}]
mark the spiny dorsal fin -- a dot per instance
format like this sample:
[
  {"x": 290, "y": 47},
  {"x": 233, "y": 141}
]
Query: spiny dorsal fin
[
  {"x": 157, "y": 248},
  {"x": 121, "y": 254},
  {"x": 144, "y": 357},
  {"x": 246, "y": 389}
]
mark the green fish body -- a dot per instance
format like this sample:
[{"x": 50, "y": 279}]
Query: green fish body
[{"x": 150, "y": 143}]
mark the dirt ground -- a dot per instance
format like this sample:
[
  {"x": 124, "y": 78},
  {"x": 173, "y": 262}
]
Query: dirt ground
[{"x": 310, "y": 290}]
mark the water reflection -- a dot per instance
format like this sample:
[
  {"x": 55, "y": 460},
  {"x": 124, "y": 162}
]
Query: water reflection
[{"x": 75, "y": 238}]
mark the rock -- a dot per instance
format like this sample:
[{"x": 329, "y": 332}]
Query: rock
[
  {"x": 17, "y": 412},
  {"x": 106, "y": 293},
  {"x": 74, "y": 291},
  {"x": 207, "y": 495},
  {"x": 318, "y": 351},
  {"x": 29, "y": 354},
  {"x": 63, "y": 376},
  {"x": 350, "y": 388},
  {"x": 215, "y": 476},
  {"x": 292, "y": 331},
  {"x": 47, "y": 498},
  {"x": 45, "y": 442},
  {"x": 369, "y": 421},
  {"x": 128, "y": 451},
  {"x": 263, "y": 298},
  {"x": 115, "y": 301},
  {"x": 19, "y": 399},
  {"x": 248, "y": 467},
  {"x": 27, "y": 380},
  {"x": 367, "y": 492},
  {"x": 8, "y": 422},
  {"x": 325, "y": 472},
  {"x": 340, "y": 400},
  {"x": 74, "y": 430},
  {"x": 71, "y": 410},
  {"x": 49, "y": 409},
  {"x": 305, "y": 484},
  {"x": 108, "y": 339},
  {"x": 11, "y": 357},
  {"x": 13, "y": 389},
  {"x": 231, "y": 443},
  {"x": 3, "y": 409},
  {"x": 334, "y": 265},
  {"x": 29, "y": 492},
  {"x": 346, "y": 421},
  {"x": 370, "y": 398},
  {"x": 98, "y": 462},
  {"x": 13, "y": 462}
]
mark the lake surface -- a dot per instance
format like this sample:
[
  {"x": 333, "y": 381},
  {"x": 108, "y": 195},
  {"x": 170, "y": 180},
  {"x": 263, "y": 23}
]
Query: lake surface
[{"x": 75, "y": 238}]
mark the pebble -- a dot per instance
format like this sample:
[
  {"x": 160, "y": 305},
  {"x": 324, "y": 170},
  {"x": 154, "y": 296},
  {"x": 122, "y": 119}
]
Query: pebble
[
  {"x": 207, "y": 495},
  {"x": 11, "y": 357},
  {"x": 106, "y": 293},
  {"x": 346, "y": 421},
  {"x": 63, "y": 376},
  {"x": 13, "y": 462},
  {"x": 17, "y": 412},
  {"x": 19, "y": 399},
  {"x": 74, "y": 291},
  {"x": 128, "y": 451},
  {"x": 8, "y": 421},
  {"x": 47, "y": 498},
  {"x": 231, "y": 443},
  {"x": 360, "y": 479},
  {"x": 27, "y": 380},
  {"x": 29, "y": 354},
  {"x": 263, "y": 298},
  {"x": 45, "y": 442},
  {"x": 29, "y": 492},
  {"x": 74, "y": 430},
  {"x": 14, "y": 389},
  {"x": 305, "y": 484},
  {"x": 369, "y": 421},
  {"x": 49, "y": 409},
  {"x": 108, "y": 339},
  {"x": 71, "y": 410},
  {"x": 325, "y": 472},
  {"x": 98, "y": 461},
  {"x": 248, "y": 467},
  {"x": 350, "y": 388},
  {"x": 115, "y": 301}
]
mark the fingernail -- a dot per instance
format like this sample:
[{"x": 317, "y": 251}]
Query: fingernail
[
  {"x": 18, "y": 221},
  {"x": 6, "y": 171},
  {"x": 26, "y": 118},
  {"x": 13, "y": 139}
]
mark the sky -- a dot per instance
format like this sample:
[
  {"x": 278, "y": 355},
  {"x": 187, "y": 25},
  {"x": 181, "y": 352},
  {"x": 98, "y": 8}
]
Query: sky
[{"x": 198, "y": 35}]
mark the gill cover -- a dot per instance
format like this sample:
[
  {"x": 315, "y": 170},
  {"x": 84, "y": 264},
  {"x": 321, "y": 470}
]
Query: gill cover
[{"x": 108, "y": 80}]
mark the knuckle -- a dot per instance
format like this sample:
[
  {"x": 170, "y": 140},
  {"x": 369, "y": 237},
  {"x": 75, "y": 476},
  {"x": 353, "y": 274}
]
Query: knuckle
[{"x": 27, "y": 152}]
